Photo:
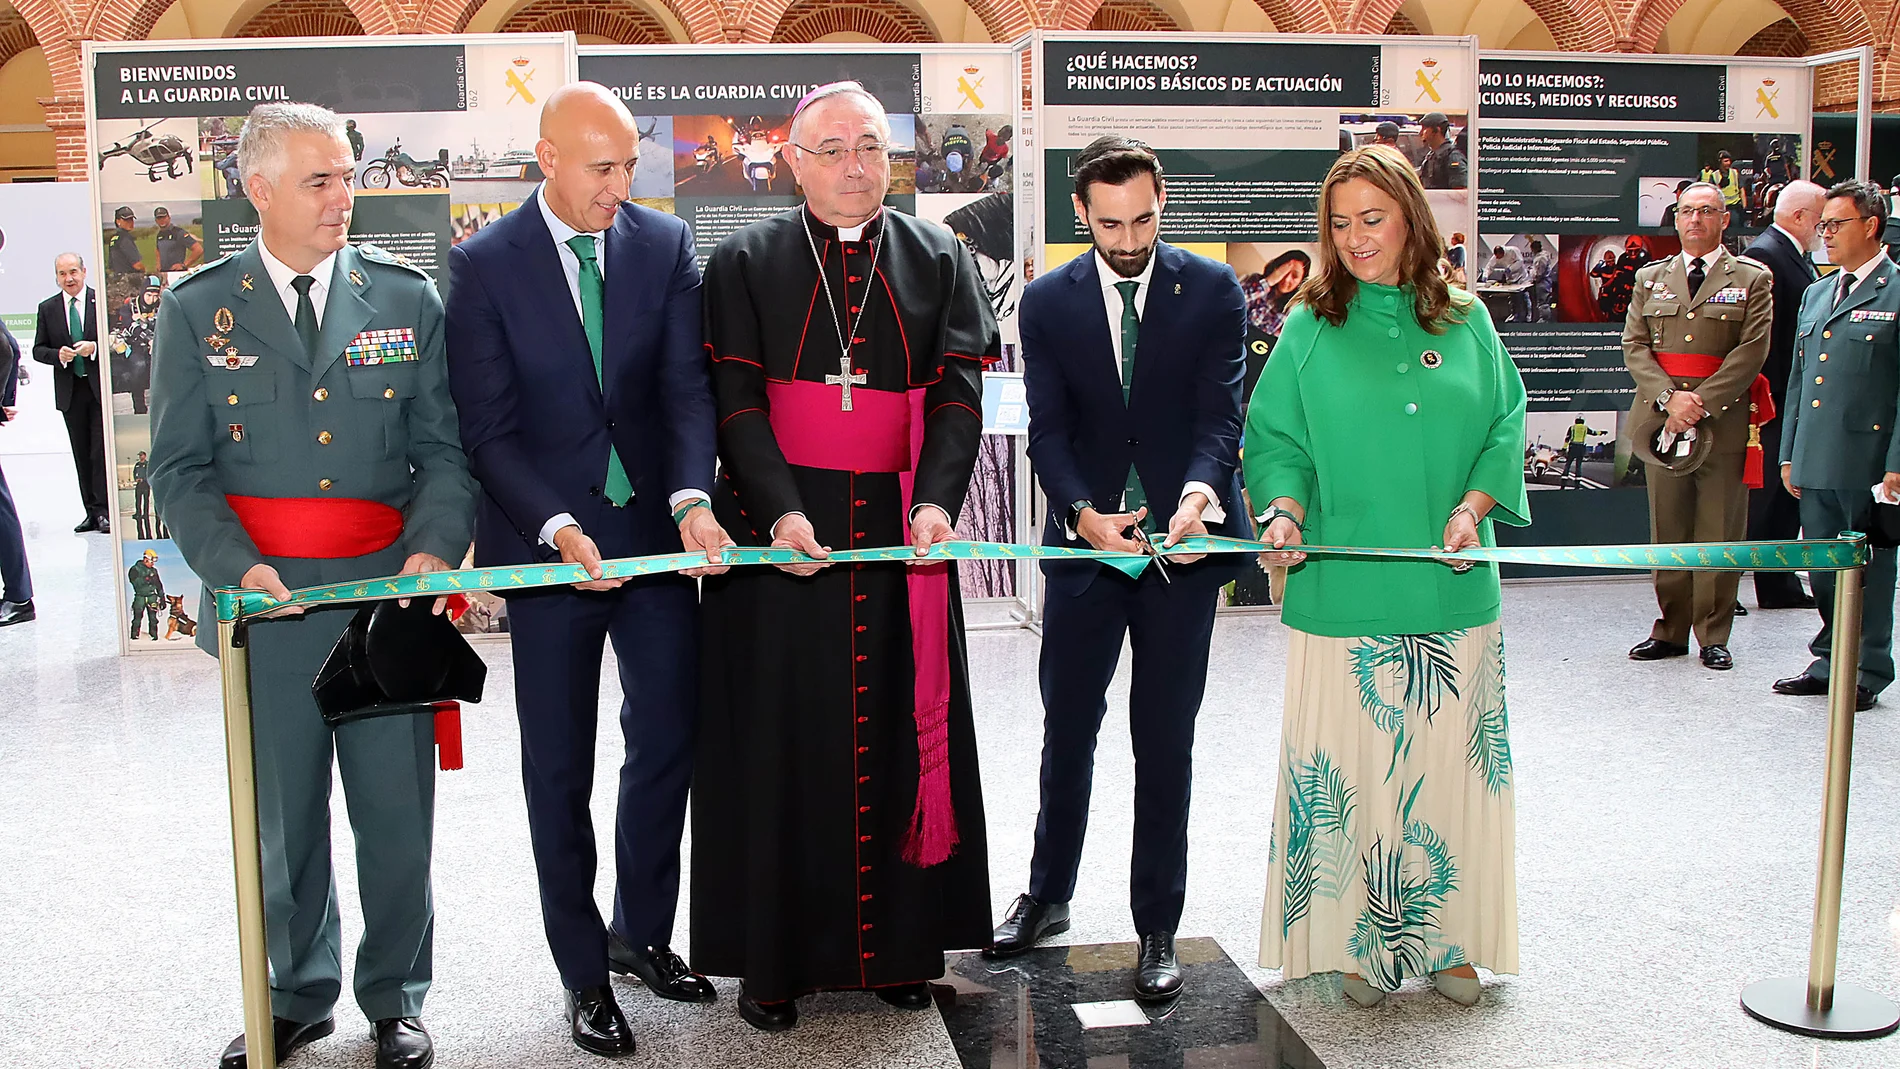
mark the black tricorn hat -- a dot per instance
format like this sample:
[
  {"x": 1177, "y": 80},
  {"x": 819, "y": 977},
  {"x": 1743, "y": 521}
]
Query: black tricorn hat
[{"x": 393, "y": 660}]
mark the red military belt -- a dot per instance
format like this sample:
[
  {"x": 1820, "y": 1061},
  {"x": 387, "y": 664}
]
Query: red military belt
[
  {"x": 1761, "y": 403},
  {"x": 318, "y": 528}
]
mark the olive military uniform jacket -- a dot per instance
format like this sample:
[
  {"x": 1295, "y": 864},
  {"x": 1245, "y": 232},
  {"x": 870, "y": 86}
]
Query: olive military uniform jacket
[
  {"x": 1729, "y": 319},
  {"x": 1843, "y": 395},
  {"x": 238, "y": 408}
]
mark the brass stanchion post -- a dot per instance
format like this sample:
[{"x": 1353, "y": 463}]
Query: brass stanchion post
[
  {"x": 1820, "y": 1006},
  {"x": 234, "y": 665}
]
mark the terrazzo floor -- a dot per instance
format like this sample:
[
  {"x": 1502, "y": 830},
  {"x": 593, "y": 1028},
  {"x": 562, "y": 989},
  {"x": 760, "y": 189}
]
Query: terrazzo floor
[{"x": 1667, "y": 825}]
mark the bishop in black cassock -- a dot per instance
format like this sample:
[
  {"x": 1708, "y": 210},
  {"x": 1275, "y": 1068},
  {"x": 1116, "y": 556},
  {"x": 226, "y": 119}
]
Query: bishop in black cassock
[{"x": 838, "y": 830}]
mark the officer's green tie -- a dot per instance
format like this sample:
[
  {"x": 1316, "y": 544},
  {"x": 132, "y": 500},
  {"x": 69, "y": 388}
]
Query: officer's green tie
[
  {"x": 306, "y": 321},
  {"x": 618, "y": 488},
  {"x": 1133, "y": 497},
  {"x": 76, "y": 326}
]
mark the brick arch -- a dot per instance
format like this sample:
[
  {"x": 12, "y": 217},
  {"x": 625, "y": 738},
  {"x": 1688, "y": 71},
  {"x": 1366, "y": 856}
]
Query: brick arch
[
  {"x": 139, "y": 23},
  {"x": 1402, "y": 26},
  {"x": 303, "y": 18},
  {"x": 16, "y": 35},
  {"x": 1585, "y": 26},
  {"x": 1132, "y": 16},
  {"x": 1830, "y": 24},
  {"x": 1305, "y": 16},
  {"x": 701, "y": 18},
  {"x": 805, "y": 21},
  {"x": 1781, "y": 38},
  {"x": 616, "y": 20}
]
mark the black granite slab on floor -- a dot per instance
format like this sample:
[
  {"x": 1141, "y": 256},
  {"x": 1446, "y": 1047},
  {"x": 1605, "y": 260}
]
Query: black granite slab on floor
[{"x": 1073, "y": 1007}]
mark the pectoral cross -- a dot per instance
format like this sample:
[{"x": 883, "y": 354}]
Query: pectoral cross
[{"x": 846, "y": 379}]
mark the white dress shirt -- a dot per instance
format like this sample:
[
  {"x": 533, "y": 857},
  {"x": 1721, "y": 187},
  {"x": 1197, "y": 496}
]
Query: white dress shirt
[
  {"x": 1112, "y": 303},
  {"x": 1709, "y": 260},
  {"x": 282, "y": 275},
  {"x": 571, "y": 269},
  {"x": 1867, "y": 269}
]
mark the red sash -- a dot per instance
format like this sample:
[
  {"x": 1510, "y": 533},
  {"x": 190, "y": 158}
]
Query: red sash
[
  {"x": 316, "y": 528},
  {"x": 885, "y": 432},
  {"x": 1761, "y": 403},
  {"x": 326, "y": 528}
]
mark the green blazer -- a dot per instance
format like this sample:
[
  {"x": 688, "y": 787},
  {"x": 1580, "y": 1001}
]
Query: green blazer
[
  {"x": 286, "y": 425},
  {"x": 1378, "y": 428},
  {"x": 1843, "y": 397}
]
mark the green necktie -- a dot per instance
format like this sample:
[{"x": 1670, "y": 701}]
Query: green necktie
[
  {"x": 1133, "y": 497},
  {"x": 306, "y": 321},
  {"x": 76, "y": 326},
  {"x": 619, "y": 488}
]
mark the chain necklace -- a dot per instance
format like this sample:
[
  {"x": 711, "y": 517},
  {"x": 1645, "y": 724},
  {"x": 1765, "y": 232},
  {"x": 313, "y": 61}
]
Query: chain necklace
[{"x": 844, "y": 340}]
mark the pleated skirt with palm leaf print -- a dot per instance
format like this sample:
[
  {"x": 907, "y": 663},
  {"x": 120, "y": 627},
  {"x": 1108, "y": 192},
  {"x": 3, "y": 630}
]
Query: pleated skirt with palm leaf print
[{"x": 1394, "y": 842}]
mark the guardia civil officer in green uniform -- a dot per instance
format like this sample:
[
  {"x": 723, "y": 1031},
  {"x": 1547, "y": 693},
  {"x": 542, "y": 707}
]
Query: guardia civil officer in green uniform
[
  {"x": 1842, "y": 404},
  {"x": 1695, "y": 339},
  {"x": 303, "y": 433}
]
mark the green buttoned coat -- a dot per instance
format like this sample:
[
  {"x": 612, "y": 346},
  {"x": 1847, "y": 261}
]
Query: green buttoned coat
[{"x": 1843, "y": 399}]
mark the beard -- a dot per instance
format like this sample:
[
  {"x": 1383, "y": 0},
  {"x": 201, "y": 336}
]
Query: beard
[{"x": 1127, "y": 264}]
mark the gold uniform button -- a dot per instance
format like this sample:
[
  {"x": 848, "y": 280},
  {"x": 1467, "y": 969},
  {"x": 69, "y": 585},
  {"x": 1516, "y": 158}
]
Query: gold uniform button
[
  {"x": 322, "y": 394},
  {"x": 389, "y": 394},
  {"x": 1817, "y": 380},
  {"x": 323, "y": 437},
  {"x": 1691, "y": 315},
  {"x": 1688, "y": 337},
  {"x": 1823, "y": 356},
  {"x": 1815, "y": 403},
  {"x": 231, "y": 400},
  {"x": 1876, "y": 426},
  {"x": 1827, "y": 334},
  {"x": 1870, "y": 337},
  {"x": 325, "y": 484}
]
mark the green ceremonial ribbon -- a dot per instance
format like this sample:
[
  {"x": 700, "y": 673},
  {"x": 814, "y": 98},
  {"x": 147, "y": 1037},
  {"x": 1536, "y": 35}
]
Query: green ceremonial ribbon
[{"x": 1825, "y": 555}]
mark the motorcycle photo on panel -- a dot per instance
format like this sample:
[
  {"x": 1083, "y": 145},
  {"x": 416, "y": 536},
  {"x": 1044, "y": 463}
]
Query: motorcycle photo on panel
[
  {"x": 166, "y": 154},
  {"x": 407, "y": 170}
]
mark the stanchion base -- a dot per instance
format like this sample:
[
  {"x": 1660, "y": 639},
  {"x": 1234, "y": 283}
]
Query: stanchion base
[{"x": 1857, "y": 1013}]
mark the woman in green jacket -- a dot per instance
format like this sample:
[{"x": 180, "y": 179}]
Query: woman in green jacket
[{"x": 1389, "y": 415}]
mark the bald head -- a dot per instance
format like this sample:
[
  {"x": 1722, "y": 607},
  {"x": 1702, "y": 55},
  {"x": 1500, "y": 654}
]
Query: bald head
[
  {"x": 588, "y": 148},
  {"x": 1798, "y": 210}
]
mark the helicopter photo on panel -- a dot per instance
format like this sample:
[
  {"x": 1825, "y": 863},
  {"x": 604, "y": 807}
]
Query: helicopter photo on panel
[{"x": 146, "y": 159}]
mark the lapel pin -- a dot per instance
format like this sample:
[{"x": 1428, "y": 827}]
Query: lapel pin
[
  {"x": 1177, "y": 287},
  {"x": 245, "y": 283},
  {"x": 1431, "y": 359},
  {"x": 216, "y": 341},
  {"x": 356, "y": 277},
  {"x": 222, "y": 320}
]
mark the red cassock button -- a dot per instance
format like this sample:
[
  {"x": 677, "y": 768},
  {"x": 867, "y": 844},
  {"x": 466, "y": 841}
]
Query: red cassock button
[
  {"x": 861, "y": 690},
  {"x": 862, "y": 629},
  {"x": 864, "y": 779},
  {"x": 864, "y": 838},
  {"x": 864, "y": 898},
  {"x": 864, "y": 749},
  {"x": 868, "y": 955},
  {"x": 864, "y": 809},
  {"x": 864, "y": 719},
  {"x": 854, "y": 308},
  {"x": 864, "y": 868},
  {"x": 863, "y": 657},
  {"x": 861, "y": 597},
  {"x": 859, "y": 502},
  {"x": 864, "y": 927}
]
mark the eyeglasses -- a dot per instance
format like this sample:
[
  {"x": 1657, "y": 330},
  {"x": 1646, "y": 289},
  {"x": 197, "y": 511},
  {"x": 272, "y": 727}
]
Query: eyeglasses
[
  {"x": 868, "y": 155},
  {"x": 1831, "y": 227},
  {"x": 1701, "y": 212}
]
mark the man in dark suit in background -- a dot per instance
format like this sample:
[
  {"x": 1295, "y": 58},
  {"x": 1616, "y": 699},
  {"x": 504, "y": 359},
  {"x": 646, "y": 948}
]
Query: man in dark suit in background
[
  {"x": 1784, "y": 249},
  {"x": 67, "y": 337},
  {"x": 1133, "y": 356},
  {"x": 16, "y": 584},
  {"x": 579, "y": 373}
]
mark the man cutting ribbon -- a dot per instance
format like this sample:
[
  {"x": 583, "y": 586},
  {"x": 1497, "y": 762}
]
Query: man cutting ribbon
[
  {"x": 302, "y": 433},
  {"x": 838, "y": 837},
  {"x": 1695, "y": 340}
]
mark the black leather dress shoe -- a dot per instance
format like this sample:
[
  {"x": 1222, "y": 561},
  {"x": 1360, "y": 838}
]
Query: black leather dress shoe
[
  {"x": 1740, "y": 609},
  {"x": 1804, "y": 601},
  {"x": 768, "y": 1016},
  {"x": 596, "y": 1022},
  {"x": 15, "y": 612},
  {"x": 90, "y": 523},
  {"x": 289, "y": 1036},
  {"x": 1803, "y": 685},
  {"x": 402, "y": 1043},
  {"x": 664, "y": 973},
  {"x": 1655, "y": 649},
  {"x": 907, "y": 996},
  {"x": 1717, "y": 657},
  {"x": 1028, "y": 922},
  {"x": 1158, "y": 977},
  {"x": 102, "y": 525}
]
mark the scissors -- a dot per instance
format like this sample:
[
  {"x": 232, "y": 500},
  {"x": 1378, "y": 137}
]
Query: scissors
[{"x": 1149, "y": 545}]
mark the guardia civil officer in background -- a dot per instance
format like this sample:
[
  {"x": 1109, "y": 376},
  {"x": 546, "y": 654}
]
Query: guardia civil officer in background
[
  {"x": 1837, "y": 439},
  {"x": 303, "y": 433}
]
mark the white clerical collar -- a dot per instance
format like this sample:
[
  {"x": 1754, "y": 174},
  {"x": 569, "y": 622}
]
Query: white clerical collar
[
  {"x": 1108, "y": 276},
  {"x": 282, "y": 274},
  {"x": 847, "y": 233}
]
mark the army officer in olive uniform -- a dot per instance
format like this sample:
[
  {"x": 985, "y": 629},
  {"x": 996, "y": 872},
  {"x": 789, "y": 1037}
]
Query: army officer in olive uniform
[
  {"x": 1837, "y": 430},
  {"x": 1695, "y": 340},
  {"x": 303, "y": 433}
]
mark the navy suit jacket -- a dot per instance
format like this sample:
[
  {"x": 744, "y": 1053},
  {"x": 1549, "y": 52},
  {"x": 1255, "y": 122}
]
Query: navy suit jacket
[
  {"x": 1181, "y": 422},
  {"x": 535, "y": 419}
]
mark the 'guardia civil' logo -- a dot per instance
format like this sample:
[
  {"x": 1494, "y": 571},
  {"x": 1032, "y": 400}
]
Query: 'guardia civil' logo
[
  {"x": 968, "y": 83},
  {"x": 1765, "y": 95},
  {"x": 517, "y": 79},
  {"x": 1427, "y": 79}
]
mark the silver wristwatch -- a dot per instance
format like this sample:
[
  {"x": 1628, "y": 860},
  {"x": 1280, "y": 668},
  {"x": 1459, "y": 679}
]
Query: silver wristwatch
[{"x": 1662, "y": 400}]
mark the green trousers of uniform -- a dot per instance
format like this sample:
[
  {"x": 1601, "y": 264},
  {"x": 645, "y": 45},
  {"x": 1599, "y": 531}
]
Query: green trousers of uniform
[
  {"x": 388, "y": 771},
  {"x": 1824, "y": 514}
]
